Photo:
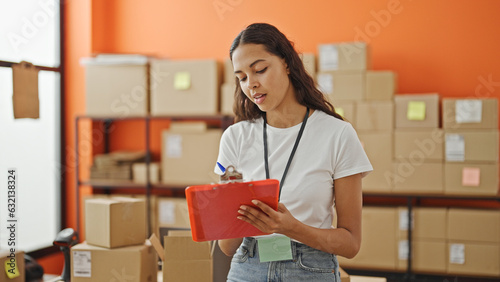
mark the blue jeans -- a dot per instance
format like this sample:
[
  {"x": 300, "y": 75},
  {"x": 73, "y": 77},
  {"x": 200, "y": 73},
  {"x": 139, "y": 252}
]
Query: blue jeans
[{"x": 307, "y": 264}]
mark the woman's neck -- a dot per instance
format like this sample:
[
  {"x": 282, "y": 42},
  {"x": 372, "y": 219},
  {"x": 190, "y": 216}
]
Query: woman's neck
[{"x": 287, "y": 118}]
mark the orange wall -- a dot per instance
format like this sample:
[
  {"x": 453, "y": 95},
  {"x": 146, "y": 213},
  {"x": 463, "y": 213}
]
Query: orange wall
[{"x": 448, "y": 46}]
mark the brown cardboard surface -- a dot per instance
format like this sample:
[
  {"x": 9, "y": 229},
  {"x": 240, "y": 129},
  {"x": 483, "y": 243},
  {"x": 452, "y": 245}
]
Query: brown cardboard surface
[
  {"x": 344, "y": 277},
  {"x": 431, "y": 119},
  {"x": 115, "y": 222},
  {"x": 489, "y": 115},
  {"x": 20, "y": 266},
  {"x": 133, "y": 263},
  {"x": 375, "y": 116},
  {"x": 200, "y": 96},
  {"x": 429, "y": 256},
  {"x": 480, "y": 145},
  {"x": 430, "y": 223},
  {"x": 380, "y": 85},
  {"x": 357, "y": 278},
  {"x": 375, "y": 253},
  {"x": 116, "y": 90},
  {"x": 417, "y": 177},
  {"x": 229, "y": 76},
  {"x": 139, "y": 172},
  {"x": 349, "y": 56},
  {"x": 348, "y": 109},
  {"x": 183, "y": 255},
  {"x": 25, "y": 86},
  {"x": 346, "y": 85},
  {"x": 474, "y": 225},
  {"x": 189, "y": 158},
  {"x": 426, "y": 144},
  {"x": 378, "y": 147},
  {"x": 479, "y": 259},
  {"x": 309, "y": 61},
  {"x": 227, "y": 98},
  {"x": 172, "y": 212},
  {"x": 454, "y": 179}
]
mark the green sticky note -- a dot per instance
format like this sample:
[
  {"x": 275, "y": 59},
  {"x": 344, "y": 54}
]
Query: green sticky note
[
  {"x": 416, "y": 110},
  {"x": 11, "y": 268},
  {"x": 274, "y": 248},
  {"x": 182, "y": 80},
  {"x": 340, "y": 111}
]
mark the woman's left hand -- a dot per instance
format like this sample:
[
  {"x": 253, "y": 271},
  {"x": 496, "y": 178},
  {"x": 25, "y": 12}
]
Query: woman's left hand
[{"x": 267, "y": 219}]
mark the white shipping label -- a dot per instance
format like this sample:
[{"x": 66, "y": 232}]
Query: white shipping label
[
  {"x": 457, "y": 253},
  {"x": 174, "y": 146},
  {"x": 82, "y": 264},
  {"x": 455, "y": 148},
  {"x": 403, "y": 250},
  {"x": 325, "y": 83},
  {"x": 167, "y": 212},
  {"x": 468, "y": 111},
  {"x": 328, "y": 57},
  {"x": 403, "y": 220}
]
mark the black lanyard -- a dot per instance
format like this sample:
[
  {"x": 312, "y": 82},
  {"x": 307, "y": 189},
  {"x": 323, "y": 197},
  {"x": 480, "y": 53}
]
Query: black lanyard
[{"x": 291, "y": 154}]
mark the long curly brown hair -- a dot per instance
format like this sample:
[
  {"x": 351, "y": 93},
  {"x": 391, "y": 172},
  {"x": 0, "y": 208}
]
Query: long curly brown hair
[{"x": 278, "y": 44}]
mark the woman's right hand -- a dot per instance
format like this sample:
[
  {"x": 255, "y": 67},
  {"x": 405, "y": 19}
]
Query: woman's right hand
[{"x": 229, "y": 246}]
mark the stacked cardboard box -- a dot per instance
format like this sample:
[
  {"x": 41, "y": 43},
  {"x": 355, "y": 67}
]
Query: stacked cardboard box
[
  {"x": 115, "y": 247},
  {"x": 116, "y": 85},
  {"x": 186, "y": 87},
  {"x": 116, "y": 165},
  {"x": 471, "y": 146},
  {"x": 429, "y": 239},
  {"x": 418, "y": 161},
  {"x": 13, "y": 267},
  {"x": 189, "y": 152},
  {"x": 473, "y": 242}
]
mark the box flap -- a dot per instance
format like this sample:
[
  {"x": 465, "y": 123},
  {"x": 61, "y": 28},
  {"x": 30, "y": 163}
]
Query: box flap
[{"x": 157, "y": 246}]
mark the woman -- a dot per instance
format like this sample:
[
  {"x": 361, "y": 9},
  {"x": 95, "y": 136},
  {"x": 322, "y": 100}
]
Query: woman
[{"x": 279, "y": 110}]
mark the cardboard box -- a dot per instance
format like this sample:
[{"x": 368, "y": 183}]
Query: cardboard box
[
  {"x": 429, "y": 256},
  {"x": 133, "y": 263},
  {"x": 173, "y": 212},
  {"x": 229, "y": 76},
  {"x": 188, "y": 157},
  {"x": 380, "y": 85},
  {"x": 471, "y": 114},
  {"x": 116, "y": 89},
  {"x": 417, "y": 177},
  {"x": 378, "y": 149},
  {"x": 375, "y": 116},
  {"x": 309, "y": 61},
  {"x": 342, "y": 85},
  {"x": 474, "y": 225},
  {"x": 344, "y": 277},
  {"x": 227, "y": 99},
  {"x": 347, "y": 110},
  {"x": 419, "y": 144},
  {"x": 344, "y": 56},
  {"x": 190, "y": 88},
  {"x": 357, "y": 278},
  {"x": 183, "y": 255},
  {"x": 139, "y": 172},
  {"x": 375, "y": 253},
  {"x": 17, "y": 270},
  {"x": 417, "y": 111},
  {"x": 115, "y": 222},
  {"x": 471, "y": 146},
  {"x": 475, "y": 259},
  {"x": 430, "y": 223},
  {"x": 471, "y": 179}
]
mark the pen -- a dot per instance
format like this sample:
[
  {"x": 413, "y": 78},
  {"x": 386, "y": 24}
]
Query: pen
[{"x": 221, "y": 167}]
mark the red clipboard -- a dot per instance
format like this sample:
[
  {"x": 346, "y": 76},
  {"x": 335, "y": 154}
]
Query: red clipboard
[{"x": 213, "y": 208}]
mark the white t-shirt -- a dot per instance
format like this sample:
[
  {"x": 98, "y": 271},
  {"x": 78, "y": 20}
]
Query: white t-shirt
[{"x": 329, "y": 149}]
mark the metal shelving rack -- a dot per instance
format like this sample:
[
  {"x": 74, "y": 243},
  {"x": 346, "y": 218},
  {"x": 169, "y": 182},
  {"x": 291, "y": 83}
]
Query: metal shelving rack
[{"x": 224, "y": 120}]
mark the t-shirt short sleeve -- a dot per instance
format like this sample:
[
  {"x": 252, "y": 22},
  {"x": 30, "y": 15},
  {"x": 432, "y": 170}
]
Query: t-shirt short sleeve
[
  {"x": 351, "y": 157},
  {"x": 227, "y": 151}
]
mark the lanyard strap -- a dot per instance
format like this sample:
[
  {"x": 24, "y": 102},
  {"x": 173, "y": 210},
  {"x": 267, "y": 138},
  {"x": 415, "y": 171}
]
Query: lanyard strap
[{"x": 266, "y": 161}]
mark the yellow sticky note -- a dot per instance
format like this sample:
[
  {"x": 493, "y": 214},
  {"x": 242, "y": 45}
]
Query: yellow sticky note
[
  {"x": 182, "y": 80},
  {"x": 340, "y": 111},
  {"x": 416, "y": 110},
  {"x": 11, "y": 269},
  {"x": 471, "y": 176}
]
